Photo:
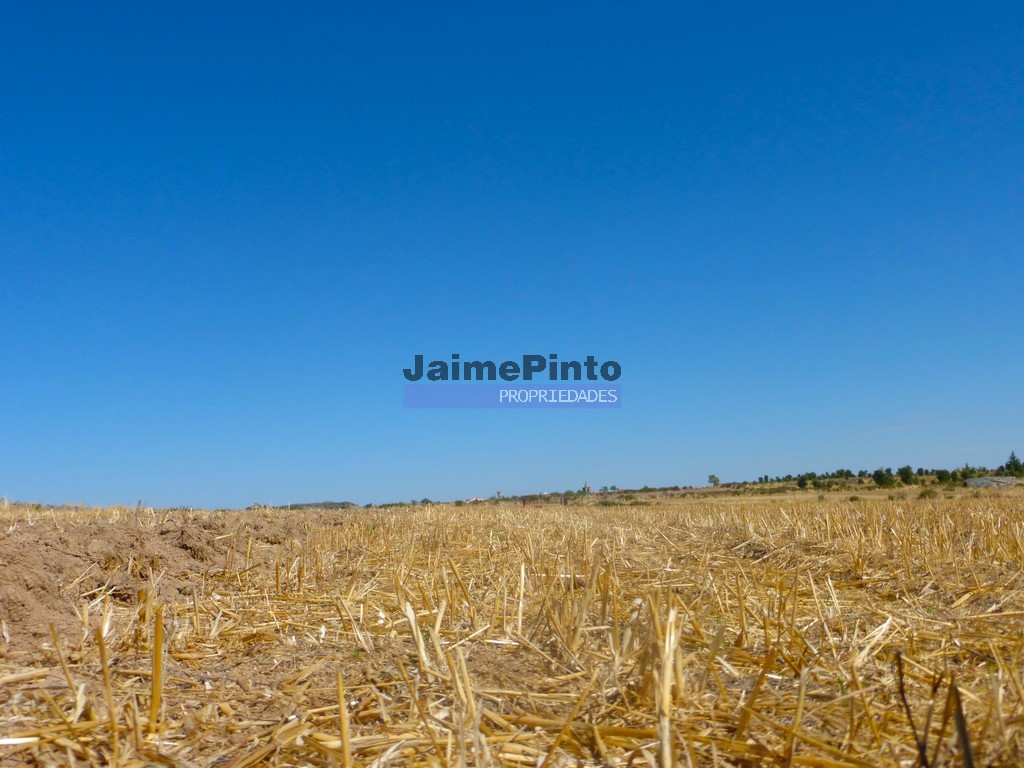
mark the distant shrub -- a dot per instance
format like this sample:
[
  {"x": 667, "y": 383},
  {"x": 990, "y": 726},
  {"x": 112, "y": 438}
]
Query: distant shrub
[
  {"x": 884, "y": 478},
  {"x": 928, "y": 493},
  {"x": 855, "y": 498}
]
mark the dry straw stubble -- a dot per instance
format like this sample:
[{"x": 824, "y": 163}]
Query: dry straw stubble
[{"x": 686, "y": 632}]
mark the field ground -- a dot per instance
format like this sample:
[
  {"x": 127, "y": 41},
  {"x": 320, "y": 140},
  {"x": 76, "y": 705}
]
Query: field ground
[{"x": 719, "y": 631}]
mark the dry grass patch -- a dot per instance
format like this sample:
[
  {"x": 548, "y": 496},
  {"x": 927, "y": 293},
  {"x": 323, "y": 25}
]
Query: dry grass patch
[{"x": 761, "y": 632}]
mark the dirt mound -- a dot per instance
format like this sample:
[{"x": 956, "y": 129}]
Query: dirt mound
[
  {"x": 54, "y": 566},
  {"x": 52, "y": 572},
  {"x": 30, "y": 594}
]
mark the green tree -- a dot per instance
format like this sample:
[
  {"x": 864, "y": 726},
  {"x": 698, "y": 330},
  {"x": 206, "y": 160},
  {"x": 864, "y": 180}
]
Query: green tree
[
  {"x": 1014, "y": 466},
  {"x": 884, "y": 478},
  {"x": 713, "y": 480},
  {"x": 906, "y": 475}
]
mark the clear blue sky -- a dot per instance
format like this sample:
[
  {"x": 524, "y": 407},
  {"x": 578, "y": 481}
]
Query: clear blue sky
[{"x": 225, "y": 229}]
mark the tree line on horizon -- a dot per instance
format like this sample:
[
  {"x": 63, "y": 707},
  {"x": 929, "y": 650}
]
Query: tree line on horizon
[{"x": 884, "y": 477}]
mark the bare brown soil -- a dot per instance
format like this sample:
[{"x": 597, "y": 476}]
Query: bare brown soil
[{"x": 53, "y": 561}]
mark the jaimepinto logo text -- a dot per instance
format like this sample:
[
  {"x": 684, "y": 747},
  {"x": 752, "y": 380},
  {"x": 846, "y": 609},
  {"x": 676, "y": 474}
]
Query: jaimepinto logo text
[
  {"x": 525, "y": 369},
  {"x": 529, "y": 381}
]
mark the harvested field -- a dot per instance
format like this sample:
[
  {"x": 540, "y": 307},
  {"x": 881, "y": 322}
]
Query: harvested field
[{"x": 700, "y": 632}]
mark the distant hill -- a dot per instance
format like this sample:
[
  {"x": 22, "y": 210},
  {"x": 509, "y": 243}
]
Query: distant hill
[
  {"x": 321, "y": 505},
  {"x": 991, "y": 482}
]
